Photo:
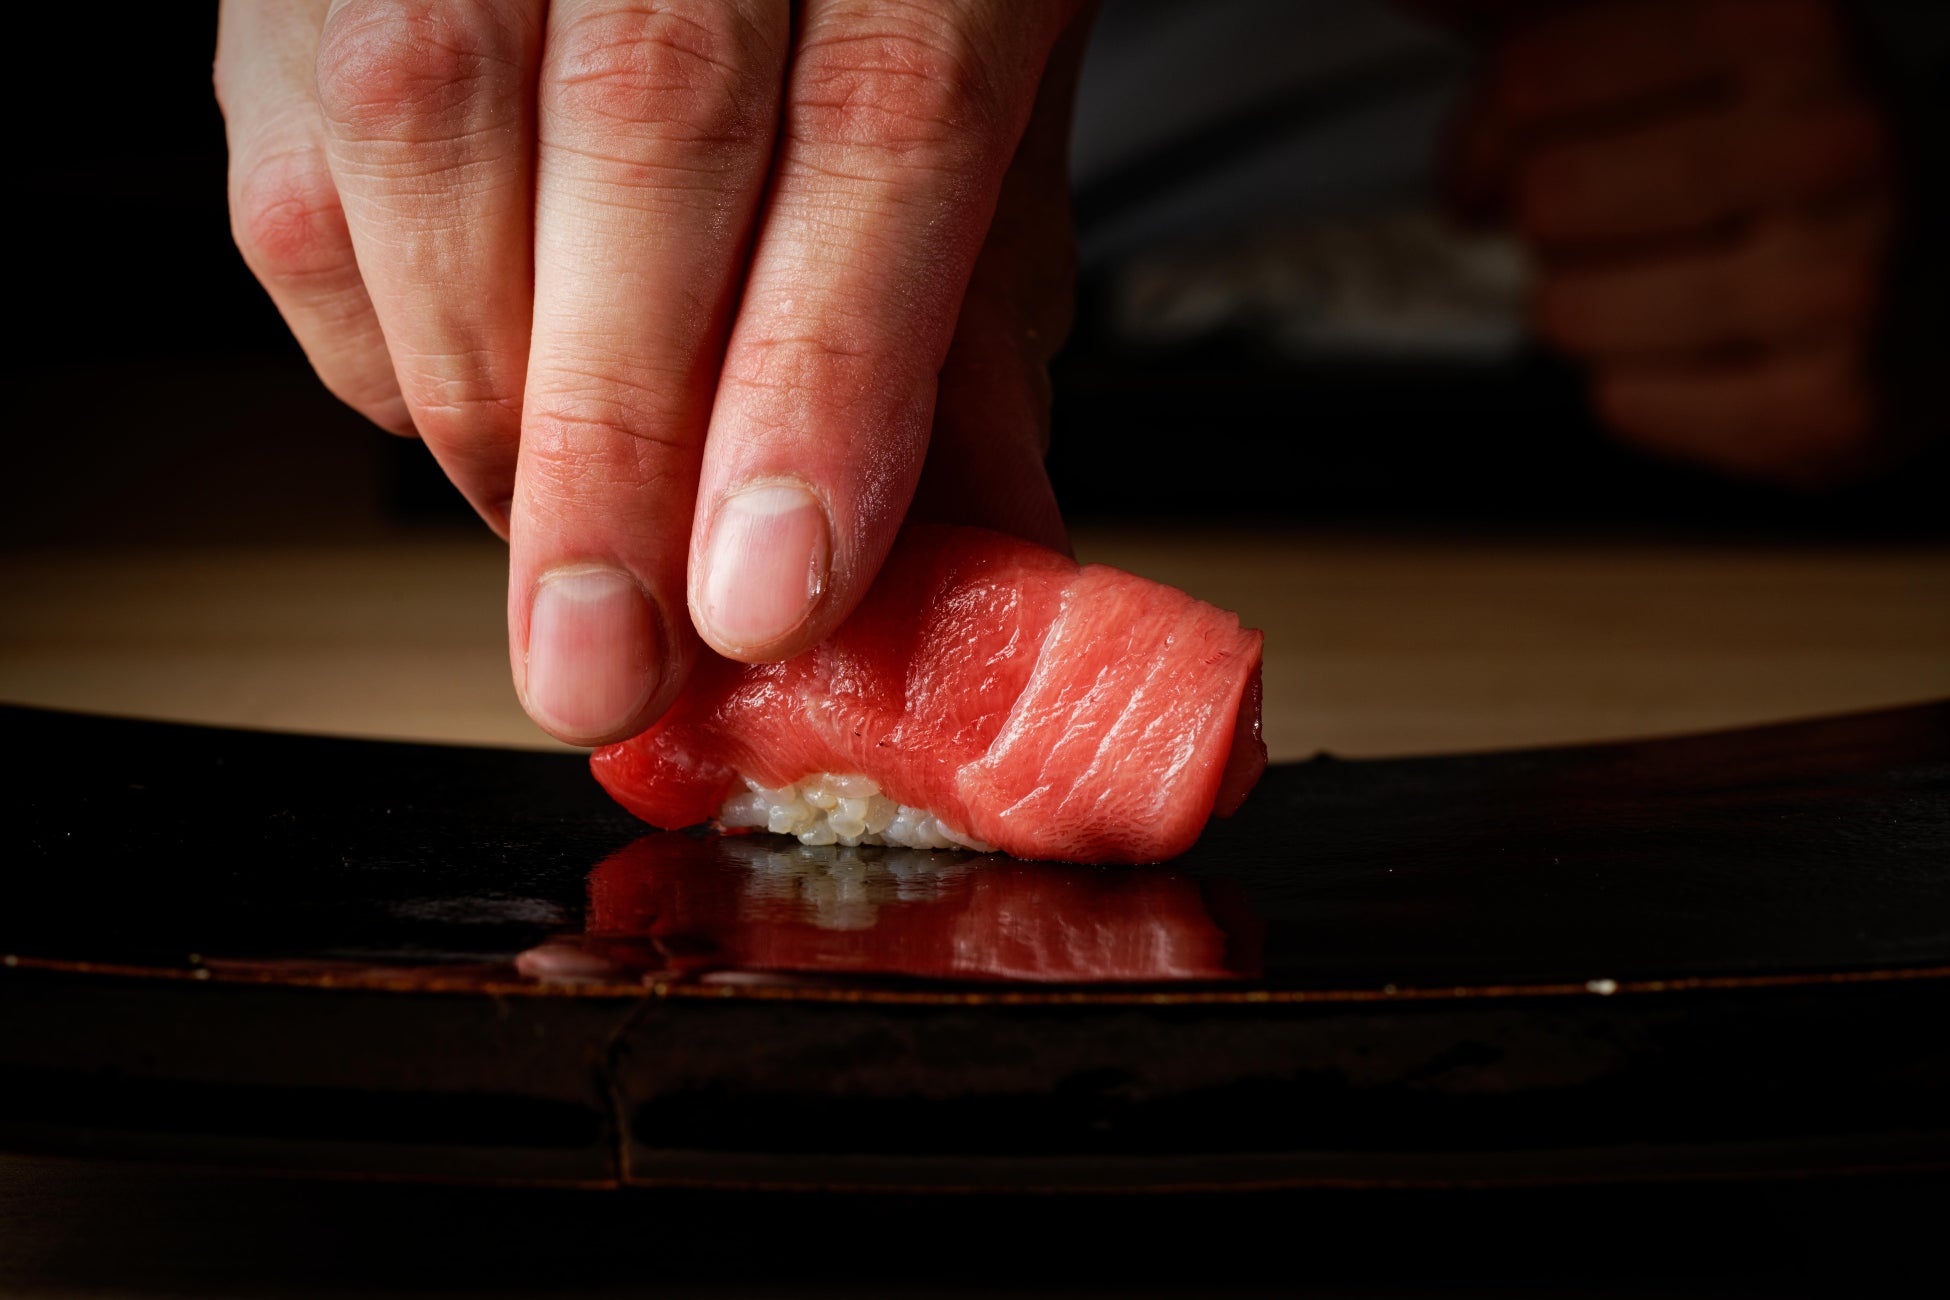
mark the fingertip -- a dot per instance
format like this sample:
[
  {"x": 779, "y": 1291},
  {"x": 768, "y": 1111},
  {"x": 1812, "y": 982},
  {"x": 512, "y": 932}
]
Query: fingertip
[
  {"x": 765, "y": 573},
  {"x": 597, "y": 667}
]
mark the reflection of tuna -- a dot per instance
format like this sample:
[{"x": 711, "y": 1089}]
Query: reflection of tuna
[
  {"x": 987, "y": 691},
  {"x": 684, "y": 905}
]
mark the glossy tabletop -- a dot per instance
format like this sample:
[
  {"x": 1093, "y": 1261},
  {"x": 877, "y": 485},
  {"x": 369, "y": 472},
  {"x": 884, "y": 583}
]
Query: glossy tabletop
[{"x": 1715, "y": 953}]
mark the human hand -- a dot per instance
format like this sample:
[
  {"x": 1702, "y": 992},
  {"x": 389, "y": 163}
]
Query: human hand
[
  {"x": 681, "y": 295},
  {"x": 1711, "y": 196}
]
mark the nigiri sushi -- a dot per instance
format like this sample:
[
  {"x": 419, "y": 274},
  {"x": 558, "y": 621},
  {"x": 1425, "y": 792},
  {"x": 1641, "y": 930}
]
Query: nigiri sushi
[{"x": 987, "y": 694}]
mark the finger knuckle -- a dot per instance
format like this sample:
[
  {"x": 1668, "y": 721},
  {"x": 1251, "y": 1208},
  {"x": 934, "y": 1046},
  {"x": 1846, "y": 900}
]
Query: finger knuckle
[
  {"x": 388, "y": 68},
  {"x": 893, "y": 88},
  {"x": 564, "y": 406},
  {"x": 700, "y": 73},
  {"x": 800, "y": 366},
  {"x": 285, "y": 215},
  {"x": 791, "y": 388},
  {"x": 574, "y": 451},
  {"x": 460, "y": 398}
]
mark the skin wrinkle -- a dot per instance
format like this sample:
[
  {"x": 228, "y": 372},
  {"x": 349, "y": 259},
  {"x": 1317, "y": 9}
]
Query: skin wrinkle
[
  {"x": 444, "y": 178},
  {"x": 608, "y": 380},
  {"x": 567, "y": 242},
  {"x": 294, "y": 118},
  {"x": 937, "y": 76},
  {"x": 412, "y": 120},
  {"x": 859, "y": 256},
  {"x": 925, "y": 277},
  {"x": 644, "y": 119},
  {"x": 893, "y": 189},
  {"x": 773, "y": 425},
  {"x": 462, "y": 407},
  {"x": 656, "y": 420},
  {"x": 346, "y": 306},
  {"x": 620, "y": 169},
  {"x": 796, "y": 370},
  {"x": 607, "y": 416},
  {"x": 684, "y": 311},
  {"x": 588, "y": 63},
  {"x": 353, "y": 296},
  {"x": 291, "y": 241},
  {"x": 416, "y": 53},
  {"x": 566, "y": 245},
  {"x": 472, "y": 386},
  {"x": 814, "y": 125},
  {"x": 560, "y": 467}
]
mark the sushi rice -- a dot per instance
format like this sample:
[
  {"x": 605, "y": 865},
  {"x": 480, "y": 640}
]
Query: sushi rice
[{"x": 840, "y": 808}]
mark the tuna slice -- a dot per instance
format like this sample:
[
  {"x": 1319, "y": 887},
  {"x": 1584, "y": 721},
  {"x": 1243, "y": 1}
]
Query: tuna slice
[{"x": 988, "y": 693}]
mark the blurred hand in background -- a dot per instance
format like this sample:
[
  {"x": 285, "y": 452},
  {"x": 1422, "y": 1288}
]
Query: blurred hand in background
[
  {"x": 1710, "y": 194},
  {"x": 682, "y": 296}
]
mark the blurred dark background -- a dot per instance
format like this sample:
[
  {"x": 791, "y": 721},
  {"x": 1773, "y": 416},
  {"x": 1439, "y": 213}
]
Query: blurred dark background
[{"x": 157, "y": 394}]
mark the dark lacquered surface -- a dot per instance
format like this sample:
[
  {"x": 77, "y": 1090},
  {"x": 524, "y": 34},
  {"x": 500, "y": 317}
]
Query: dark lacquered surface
[
  {"x": 1715, "y": 955},
  {"x": 1805, "y": 848},
  {"x": 755, "y": 910}
]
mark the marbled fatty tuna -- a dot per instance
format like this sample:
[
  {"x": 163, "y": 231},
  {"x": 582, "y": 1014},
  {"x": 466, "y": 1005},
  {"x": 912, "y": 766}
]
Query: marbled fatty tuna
[{"x": 1050, "y": 709}]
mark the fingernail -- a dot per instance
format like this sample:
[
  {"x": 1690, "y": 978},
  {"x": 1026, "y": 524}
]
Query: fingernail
[
  {"x": 592, "y": 652},
  {"x": 766, "y": 564}
]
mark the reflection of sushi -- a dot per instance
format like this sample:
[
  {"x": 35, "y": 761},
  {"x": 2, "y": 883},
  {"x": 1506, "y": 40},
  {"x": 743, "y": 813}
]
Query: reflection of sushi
[
  {"x": 987, "y": 693},
  {"x": 750, "y": 907}
]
